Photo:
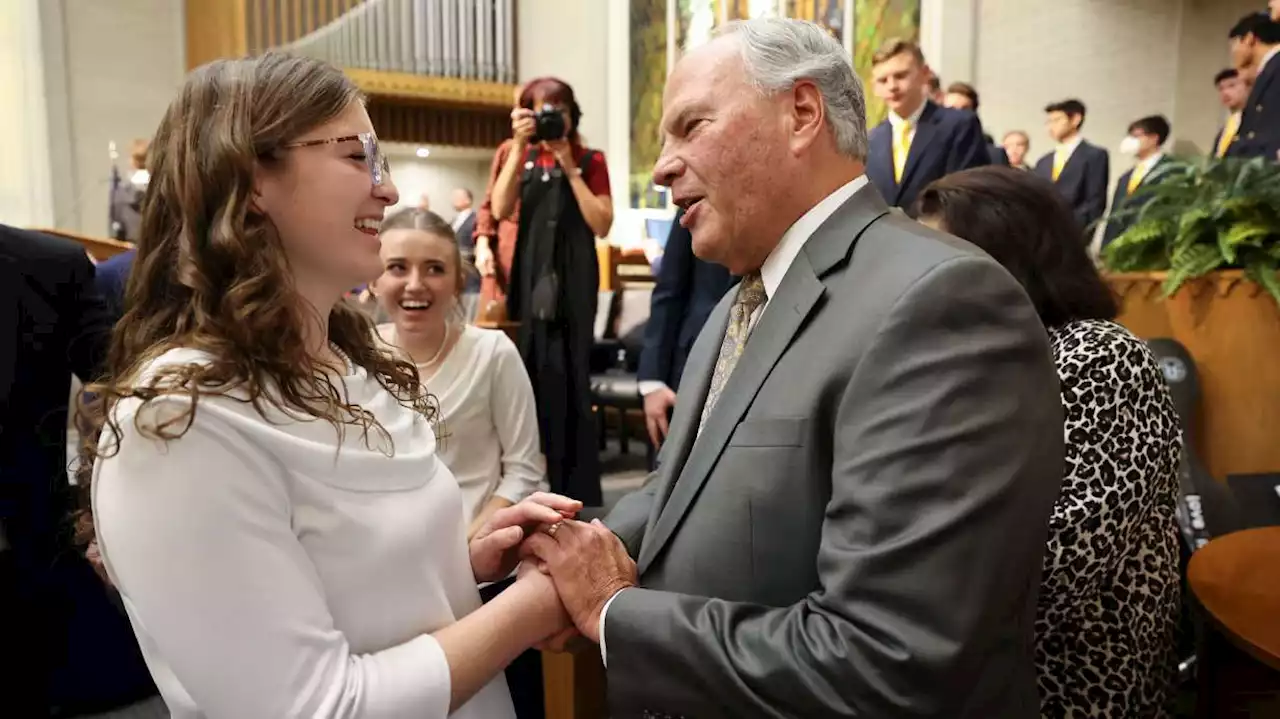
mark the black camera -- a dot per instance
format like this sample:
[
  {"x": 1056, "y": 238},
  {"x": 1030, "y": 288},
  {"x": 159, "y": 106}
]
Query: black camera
[{"x": 549, "y": 124}]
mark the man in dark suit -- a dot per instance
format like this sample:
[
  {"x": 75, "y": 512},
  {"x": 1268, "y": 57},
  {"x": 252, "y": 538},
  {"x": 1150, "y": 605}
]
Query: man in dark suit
[
  {"x": 1232, "y": 93},
  {"x": 1146, "y": 142},
  {"x": 920, "y": 141},
  {"x": 850, "y": 513},
  {"x": 464, "y": 227},
  {"x": 1255, "y": 43},
  {"x": 1078, "y": 169},
  {"x": 71, "y": 648},
  {"x": 963, "y": 96},
  {"x": 686, "y": 291}
]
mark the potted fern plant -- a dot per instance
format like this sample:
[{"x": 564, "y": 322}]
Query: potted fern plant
[{"x": 1199, "y": 264}]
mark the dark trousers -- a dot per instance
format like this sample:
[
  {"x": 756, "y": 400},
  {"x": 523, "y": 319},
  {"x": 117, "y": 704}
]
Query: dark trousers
[{"x": 524, "y": 675}]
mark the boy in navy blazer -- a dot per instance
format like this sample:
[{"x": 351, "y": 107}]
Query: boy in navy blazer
[
  {"x": 1146, "y": 143},
  {"x": 1255, "y": 48},
  {"x": 920, "y": 141},
  {"x": 1078, "y": 169}
]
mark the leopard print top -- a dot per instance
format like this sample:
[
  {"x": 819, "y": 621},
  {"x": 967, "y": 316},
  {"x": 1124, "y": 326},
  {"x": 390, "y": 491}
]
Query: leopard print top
[{"x": 1107, "y": 618}]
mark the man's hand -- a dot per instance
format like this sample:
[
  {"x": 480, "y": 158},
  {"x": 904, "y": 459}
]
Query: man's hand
[
  {"x": 657, "y": 404},
  {"x": 589, "y": 565},
  {"x": 494, "y": 549}
]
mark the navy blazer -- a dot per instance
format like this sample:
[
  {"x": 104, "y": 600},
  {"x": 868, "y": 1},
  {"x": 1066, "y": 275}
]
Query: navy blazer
[
  {"x": 946, "y": 141},
  {"x": 467, "y": 248},
  {"x": 111, "y": 276},
  {"x": 74, "y": 649},
  {"x": 687, "y": 290},
  {"x": 1122, "y": 201},
  {"x": 1259, "y": 133},
  {"x": 1083, "y": 182}
]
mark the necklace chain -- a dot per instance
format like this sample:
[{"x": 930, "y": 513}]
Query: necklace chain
[{"x": 439, "y": 350}]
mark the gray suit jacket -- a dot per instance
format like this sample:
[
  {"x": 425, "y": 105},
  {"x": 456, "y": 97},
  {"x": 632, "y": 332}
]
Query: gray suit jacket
[{"x": 859, "y": 530}]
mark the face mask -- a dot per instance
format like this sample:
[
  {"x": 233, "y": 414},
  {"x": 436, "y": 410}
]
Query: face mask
[{"x": 1130, "y": 145}]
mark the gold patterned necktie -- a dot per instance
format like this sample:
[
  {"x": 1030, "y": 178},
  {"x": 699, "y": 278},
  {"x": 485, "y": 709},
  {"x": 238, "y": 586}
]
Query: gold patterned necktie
[{"x": 751, "y": 295}]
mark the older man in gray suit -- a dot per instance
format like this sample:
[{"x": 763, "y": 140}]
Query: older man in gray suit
[{"x": 850, "y": 511}]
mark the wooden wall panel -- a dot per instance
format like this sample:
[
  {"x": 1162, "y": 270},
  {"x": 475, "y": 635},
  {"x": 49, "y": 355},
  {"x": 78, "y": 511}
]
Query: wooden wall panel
[{"x": 421, "y": 124}]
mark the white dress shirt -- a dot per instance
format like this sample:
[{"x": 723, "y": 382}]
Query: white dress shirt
[
  {"x": 1065, "y": 149},
  {"x": 772, "y": 272},
  {"x": 490, "y": 422},
  {"x": 895, "y": 122},
  {"x": 1143, "y": 167},
  {"x": 270, "y": 569},
  {"x": 461, "y": 217},
  {"x": 1267, "y": 58}
]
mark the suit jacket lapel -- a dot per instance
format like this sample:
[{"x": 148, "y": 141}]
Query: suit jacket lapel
[
  {"x": 926, "y": 130},
  {"x": 10, "y": 278},
  {"x": 783, "y": 318},
  {"x": 1073, "y": 171}
]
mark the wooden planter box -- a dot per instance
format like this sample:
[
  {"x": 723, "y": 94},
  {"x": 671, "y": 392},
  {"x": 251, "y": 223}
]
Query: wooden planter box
[{"x": 1231, "y": 327}]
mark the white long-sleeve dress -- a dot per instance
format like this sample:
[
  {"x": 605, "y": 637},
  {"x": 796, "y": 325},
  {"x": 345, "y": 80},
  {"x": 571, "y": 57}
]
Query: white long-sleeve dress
[{"x": 270, "y": 573}]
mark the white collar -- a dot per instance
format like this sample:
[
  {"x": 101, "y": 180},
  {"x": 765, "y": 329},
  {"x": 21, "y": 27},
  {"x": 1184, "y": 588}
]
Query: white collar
[
  {"x": 895, "y": 121},
  {"x": 1267, "y": 58},
  {"x": 1148, "y": 163},
  {"x": 779, "y": 260},
  {"x": 1070, "y": 146}
]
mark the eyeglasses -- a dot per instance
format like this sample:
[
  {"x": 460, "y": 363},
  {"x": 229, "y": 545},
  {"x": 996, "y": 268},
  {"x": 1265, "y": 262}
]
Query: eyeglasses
[{"x": 379, "y": 167}]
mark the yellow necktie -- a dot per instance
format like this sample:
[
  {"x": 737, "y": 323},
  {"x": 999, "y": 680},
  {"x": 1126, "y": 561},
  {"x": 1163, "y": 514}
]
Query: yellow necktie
[
  {"x": 1059, "y": 161},
  {"x": 1228, "y": 133},
  {"x": 901, "y": 148},
  {"x": 1135, "y": 178}
]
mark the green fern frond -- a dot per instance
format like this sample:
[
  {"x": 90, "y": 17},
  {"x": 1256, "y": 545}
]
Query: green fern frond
[
  {"x": 1264, "y": 273},
  {"x": 1241, "y": 233},
  {"x": 1195, "y": 261}
]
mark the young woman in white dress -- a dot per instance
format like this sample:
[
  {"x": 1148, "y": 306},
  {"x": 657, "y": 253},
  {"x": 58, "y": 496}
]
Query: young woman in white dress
[
  {"x": 490, "y": 425},
  {"x": 267, "y": 494}
]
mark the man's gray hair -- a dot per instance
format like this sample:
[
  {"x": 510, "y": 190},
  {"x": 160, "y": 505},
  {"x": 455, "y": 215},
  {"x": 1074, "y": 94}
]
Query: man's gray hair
[{"x": 779, "y": 52}]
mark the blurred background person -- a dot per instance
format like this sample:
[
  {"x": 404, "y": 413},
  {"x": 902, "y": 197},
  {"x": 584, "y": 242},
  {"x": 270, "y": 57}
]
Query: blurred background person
[
  {"x": 1232, "y": 93},
  {"x": 557, "y": 192},
  {"x": 477, "y": 376},
  {"x": 1078, "y": 169},
  {"x": 464, "y": 230},
  {"x": 1145, "y": 143},
  {"x": 1110, "y": 595},
  {"x": 490, "y": 436},
  {"x": 1255, "y": 42},
  {"x": 920, "y": 140},
  {"x": 1017, "y": 144},
  {"x": 127, "y": 194},
  {"x": 963, "y": 96}
]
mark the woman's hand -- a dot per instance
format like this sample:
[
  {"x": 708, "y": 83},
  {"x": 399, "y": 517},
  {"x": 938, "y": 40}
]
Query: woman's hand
[
  {"x": 522, "y": 125},
  {"x": 484, "y": 257},
  {"x": 494, "y": 549},
  {"x": 557, "y": 625},
  {"x": 486, "y": 512},
  {"x": 563, "y": 152}
]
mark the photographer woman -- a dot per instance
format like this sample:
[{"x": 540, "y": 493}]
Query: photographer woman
[{"x": 556, "y": 192}]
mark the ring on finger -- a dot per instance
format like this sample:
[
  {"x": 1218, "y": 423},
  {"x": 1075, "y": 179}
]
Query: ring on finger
[{"x": 551, "y": 530}]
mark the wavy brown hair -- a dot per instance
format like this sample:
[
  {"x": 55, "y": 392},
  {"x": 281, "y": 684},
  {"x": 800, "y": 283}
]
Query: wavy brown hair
[{"x": 211, "y": 273}]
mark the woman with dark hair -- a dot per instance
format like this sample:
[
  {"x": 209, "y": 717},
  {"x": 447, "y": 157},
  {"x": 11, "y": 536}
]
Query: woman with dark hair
[
  {"x": 267, "y": 494},
  {"x": 554, "y": 193},
  {"x": 1107, "y": 619}
]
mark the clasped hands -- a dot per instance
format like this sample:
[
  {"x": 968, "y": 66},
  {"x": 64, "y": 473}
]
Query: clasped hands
[{"x": 582, "y": 563}]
